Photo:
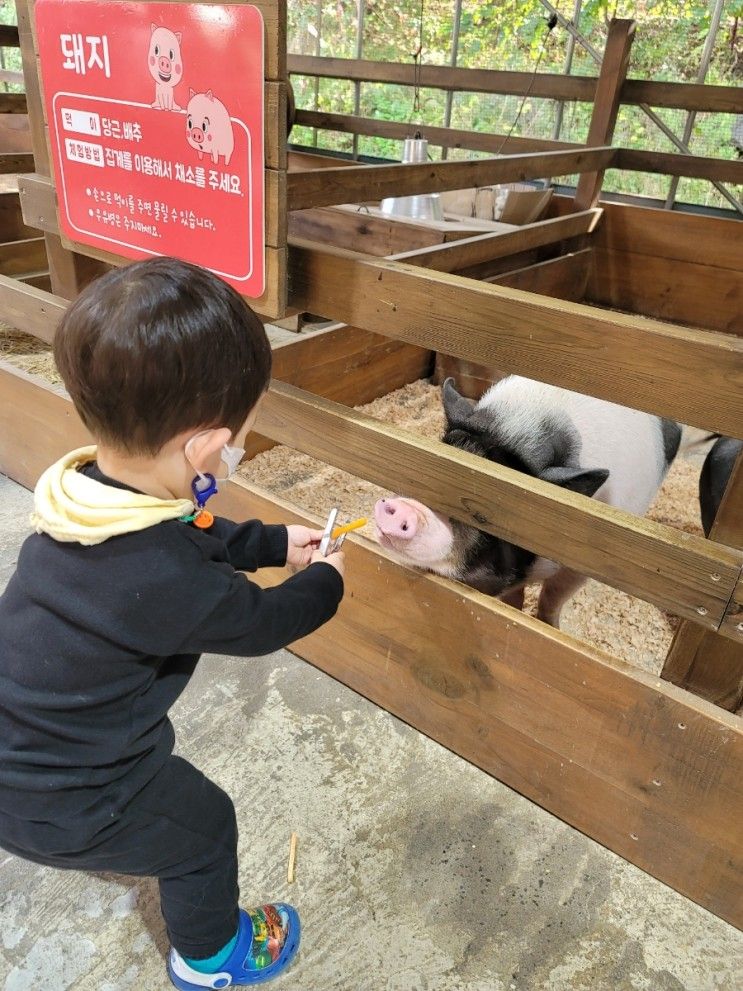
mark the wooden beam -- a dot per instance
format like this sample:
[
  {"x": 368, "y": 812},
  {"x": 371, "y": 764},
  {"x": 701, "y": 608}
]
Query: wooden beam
[
  {"x": 31, "y": 310},
  {"x": 639, "y": 765},
  {"x": 447, "y": 137},
  {"x": 680, "y": 96},
  {"x": 693, "y": 376},
  {"x": 710, "y": 666},
  {"x": 693, "y": 166},
  {"x": 613, "y": 72},
  {"x": 565, "y": 277},
  {"x": 458, "y": 255},
  {"x": 643, "y": 558},
  {"x": 363, "y": 183},
  {"x": 552, "y": 86},
  {"x": 15, "y": 135},
  {"x": 11, "y": 163},
  {"x": 17, "y": 257}
]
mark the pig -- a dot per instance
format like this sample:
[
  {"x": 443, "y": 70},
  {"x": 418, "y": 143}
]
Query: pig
[
  {"x": 208, "y": 127},
  {"x": 166, "y": 65},
  {"x": 596, "y": 448},
  {"x": 716, "y": 471}
]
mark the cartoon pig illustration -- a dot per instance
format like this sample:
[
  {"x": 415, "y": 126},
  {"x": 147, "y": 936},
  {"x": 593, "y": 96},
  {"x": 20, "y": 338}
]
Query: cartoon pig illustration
[
  {"x": 166, "y": 65},
  {"x": 208, "y": 127}
]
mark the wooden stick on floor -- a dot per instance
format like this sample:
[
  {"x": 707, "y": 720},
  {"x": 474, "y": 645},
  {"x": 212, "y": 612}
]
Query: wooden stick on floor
[{"x": 292, "y": 858}]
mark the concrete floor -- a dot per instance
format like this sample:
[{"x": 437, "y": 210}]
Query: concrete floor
[{"x": 415, "y": 871}]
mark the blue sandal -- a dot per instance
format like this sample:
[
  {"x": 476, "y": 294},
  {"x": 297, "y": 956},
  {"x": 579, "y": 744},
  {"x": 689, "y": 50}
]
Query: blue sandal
[{"x": 258, "y": 956}]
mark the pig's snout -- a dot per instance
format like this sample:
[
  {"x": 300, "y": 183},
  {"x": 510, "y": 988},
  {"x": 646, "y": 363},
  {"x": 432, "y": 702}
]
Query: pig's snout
[
  {"x": 396, "y": 518},
  {"x": 164, "y": 66},
  {"x": 197, "y": 135}
]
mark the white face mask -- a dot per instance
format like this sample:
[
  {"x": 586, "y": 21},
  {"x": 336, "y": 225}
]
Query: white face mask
[{"x": 230, "y": 456}]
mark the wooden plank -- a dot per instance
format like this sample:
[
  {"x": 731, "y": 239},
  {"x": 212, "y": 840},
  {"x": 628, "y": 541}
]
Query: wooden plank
[
  {"x": 666, "y": 234},
  {"x": 554, "y": 720},
  {"x": 670, "y": 290},
  {"x": 15, "y": 134},
  {"x": 12, "y": 227},
  {"x": 12, "y": 77},
  {"x": 13, "y": 103},
  {"x": 12, "y": 163},
  {"x": 690, "y": 375},
  {"x": 681, "y": 96},
  {"x": 299, "y": 161},
  {"x": 694, "y": 166},
  {"x": 361, "y": 230},
  {"x": 39, "y": 280},
  {"x": 684, "y": 96},
  {"x": 613, "y": 72},
  {"x": 27, "y": 255},
  {"x": 274, "y": 126},
  {"x": 710, "y": 666},
  {"x": 29, "y": 309},
  {"x": 565, "y": 277},
  {"x": 647, "y": 559},
  {"x": 552, "y": 86},
  {"x": 373, "y": 182},
  {"x": 447, "y": 137},
  {"x": 458, "y": 255}
]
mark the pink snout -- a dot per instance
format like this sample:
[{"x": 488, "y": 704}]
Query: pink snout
[
  {"x": 164, "y": 65},
  {"x": 197, "y": 135},
  {"x": 396, "y": 518}
]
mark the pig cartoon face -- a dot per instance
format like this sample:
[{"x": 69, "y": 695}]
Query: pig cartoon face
[
  {"x": 164, "y": 61},
  {"x": 208, "y": 127}
]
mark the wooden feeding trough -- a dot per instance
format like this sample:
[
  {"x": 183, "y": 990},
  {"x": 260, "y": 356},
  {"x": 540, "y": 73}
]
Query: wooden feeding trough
[{"x": 652, "y": 767}]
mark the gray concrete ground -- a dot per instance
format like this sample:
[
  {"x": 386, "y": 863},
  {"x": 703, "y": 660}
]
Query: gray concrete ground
[{"x": 415, "y": 872}]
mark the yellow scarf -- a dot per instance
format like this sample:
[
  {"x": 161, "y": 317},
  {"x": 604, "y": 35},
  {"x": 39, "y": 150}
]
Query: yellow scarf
[{"x": 72, "y": 507}]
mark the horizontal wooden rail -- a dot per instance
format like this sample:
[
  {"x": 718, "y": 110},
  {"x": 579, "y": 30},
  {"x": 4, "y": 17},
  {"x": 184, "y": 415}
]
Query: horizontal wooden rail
[
  {"x": 361, "y": 183},
  {"x": 693, "y": 376},
  {"x": 15, "y": 163},
  {"x": 29, "y": 309},
  {"x": 446, "y": 137},
  {"x": 681, "y": 96},
  {"x": 457, "y": 255},
  {"x": 691, "y": 166},
  {"x": 686, "y": 575}
]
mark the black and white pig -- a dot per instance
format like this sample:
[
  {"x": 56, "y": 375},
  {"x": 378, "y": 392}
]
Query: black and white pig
[
  {"x": 716, "y": 471},
  {"x": 619, "y": 456}
]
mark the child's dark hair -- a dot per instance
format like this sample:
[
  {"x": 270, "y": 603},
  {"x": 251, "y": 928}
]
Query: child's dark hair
[{"x": 158, "y": 348}]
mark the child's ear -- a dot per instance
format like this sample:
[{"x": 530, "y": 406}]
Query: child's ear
[{"x": 204, "y": 445}]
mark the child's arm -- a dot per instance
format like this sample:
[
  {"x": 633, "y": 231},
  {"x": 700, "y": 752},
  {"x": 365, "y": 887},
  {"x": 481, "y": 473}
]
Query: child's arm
[
  {"x": 252, "y": 545},
  {"x": 249, "y": 621}
]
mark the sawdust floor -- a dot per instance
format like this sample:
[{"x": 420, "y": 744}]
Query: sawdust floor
[{"x": 626, "y": 627}]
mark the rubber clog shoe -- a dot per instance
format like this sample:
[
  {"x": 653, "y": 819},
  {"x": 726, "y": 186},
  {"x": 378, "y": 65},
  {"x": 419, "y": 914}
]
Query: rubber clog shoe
[{"x": 258, "y": 955}]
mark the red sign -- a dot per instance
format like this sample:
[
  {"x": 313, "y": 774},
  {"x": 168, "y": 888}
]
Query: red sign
[{"x": 155, "y": 115}]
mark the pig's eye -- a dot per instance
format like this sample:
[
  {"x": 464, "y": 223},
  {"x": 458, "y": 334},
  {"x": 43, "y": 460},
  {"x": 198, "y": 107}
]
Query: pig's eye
[
  {"x": 172, "y": 56},
  {"x": 205, "y": 125},
  {"x": 157, "y": 49},
  {"x": 189, "y": 125}
]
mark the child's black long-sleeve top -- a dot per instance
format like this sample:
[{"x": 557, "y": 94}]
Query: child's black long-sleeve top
[{"x": 97, "y": 643}]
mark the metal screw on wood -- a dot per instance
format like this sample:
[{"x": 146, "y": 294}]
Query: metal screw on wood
[{"x": 701, "y": 610}]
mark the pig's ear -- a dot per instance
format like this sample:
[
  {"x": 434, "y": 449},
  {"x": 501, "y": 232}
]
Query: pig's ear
[
  {"x": 179, "y": 36},
  {"x": 585, "y": 482},
  {"x": 153, "y": 27},
  {"x": 191, "y": 93},
  {"x": 209, "y": 95},
  {"x": 456, "y": 407}
]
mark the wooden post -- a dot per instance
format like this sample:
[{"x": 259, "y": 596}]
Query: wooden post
[
  {"x": 704, "y": 663},
  {"x": 69, "y": 271},
  {"x": 606, "y": 104}
]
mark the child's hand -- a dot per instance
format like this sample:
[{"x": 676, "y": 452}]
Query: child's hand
[
  {"x": 301, "y": 544},
  {"x": 337, "y": 560}
]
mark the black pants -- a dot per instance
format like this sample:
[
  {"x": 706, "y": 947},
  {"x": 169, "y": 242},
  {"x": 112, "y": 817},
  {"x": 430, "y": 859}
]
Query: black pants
[{"x": 180, "y": 829}]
